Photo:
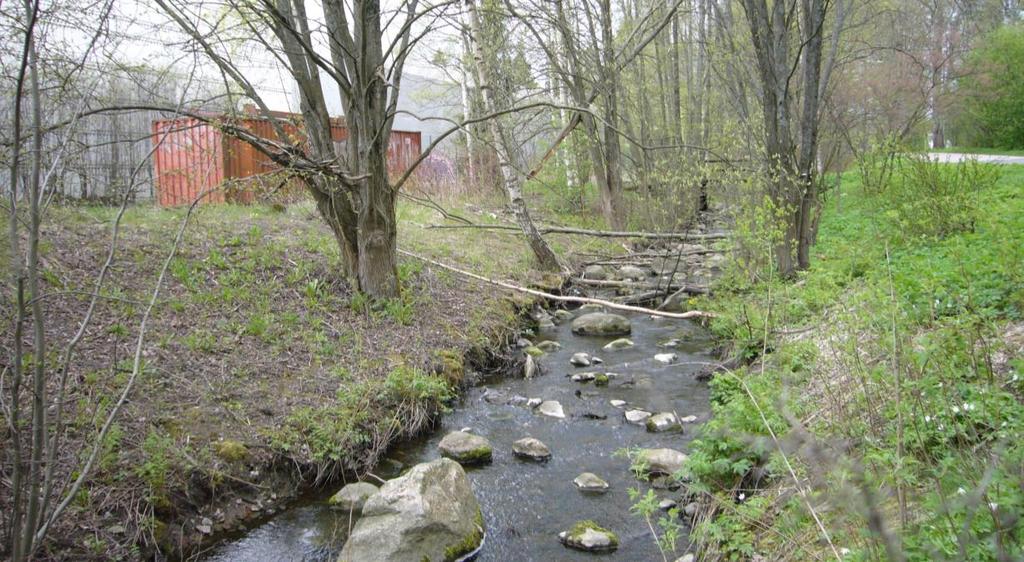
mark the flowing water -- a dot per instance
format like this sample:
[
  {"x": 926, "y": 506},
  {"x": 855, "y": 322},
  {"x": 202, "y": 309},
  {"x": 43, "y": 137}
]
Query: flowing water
[{"x": 527, "y": 504}]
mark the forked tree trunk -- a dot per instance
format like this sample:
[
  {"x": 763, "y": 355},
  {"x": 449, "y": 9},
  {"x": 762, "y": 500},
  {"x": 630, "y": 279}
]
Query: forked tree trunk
[
  {"x": 378, "y": 229},
  {"x": 507, "y": 150}
]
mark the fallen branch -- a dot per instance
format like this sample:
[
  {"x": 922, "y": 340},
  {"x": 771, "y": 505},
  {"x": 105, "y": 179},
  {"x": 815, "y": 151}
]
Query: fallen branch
[
  {"x": 691, "y": 289},
  {"x": 561, "y": 298},
  {"x": 587, "y": 232}
]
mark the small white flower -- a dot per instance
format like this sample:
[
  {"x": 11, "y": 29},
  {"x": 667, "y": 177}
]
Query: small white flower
[
  {"x": 844, "y": 551},
  {"x": 961, "y": 491},
  {"x": 743, "y": 496},
  {"x": 927, "y": 419},
  {"x": 956, "y": 409},
  {"x": 940, "y": 385}
]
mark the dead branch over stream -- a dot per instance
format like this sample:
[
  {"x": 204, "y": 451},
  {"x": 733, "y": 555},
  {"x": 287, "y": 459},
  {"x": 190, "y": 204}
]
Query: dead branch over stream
[
  {"x": 562, "y": 298},
  {"x": 598, "y": 233}
]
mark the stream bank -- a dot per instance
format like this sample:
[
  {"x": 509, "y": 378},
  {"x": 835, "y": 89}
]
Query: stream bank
[{"x": 526, "y": 504}]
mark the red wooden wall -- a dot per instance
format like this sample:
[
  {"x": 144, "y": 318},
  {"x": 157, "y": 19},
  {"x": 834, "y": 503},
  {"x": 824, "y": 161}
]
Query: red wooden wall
[{"x": 193, "y": 157}]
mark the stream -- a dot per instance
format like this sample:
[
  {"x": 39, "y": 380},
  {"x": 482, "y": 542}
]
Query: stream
[{"x": 526, "y": 504}]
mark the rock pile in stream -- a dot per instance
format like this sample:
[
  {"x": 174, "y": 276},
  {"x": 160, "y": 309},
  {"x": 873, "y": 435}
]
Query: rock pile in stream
[{"x": 428, "y": 514}]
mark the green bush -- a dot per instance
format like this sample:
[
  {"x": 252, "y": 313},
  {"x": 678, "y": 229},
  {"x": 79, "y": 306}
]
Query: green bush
[{"x": 926, "y": 198}]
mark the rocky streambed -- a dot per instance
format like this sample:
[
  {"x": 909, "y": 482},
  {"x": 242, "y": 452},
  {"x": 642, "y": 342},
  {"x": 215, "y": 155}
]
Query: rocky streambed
[{"x": 554, "y": 474}]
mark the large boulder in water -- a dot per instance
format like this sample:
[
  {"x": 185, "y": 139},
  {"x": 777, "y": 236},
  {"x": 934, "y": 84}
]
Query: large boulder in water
[
  {"x": 428, "y": 514},
  {"x": 601, "y": 324}
]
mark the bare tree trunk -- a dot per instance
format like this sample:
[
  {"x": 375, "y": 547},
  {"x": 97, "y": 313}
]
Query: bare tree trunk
[
  {"x": 511, "y": 177},
  {"x": 611, "y": 194},
  {"x": 674, "y": 84}
]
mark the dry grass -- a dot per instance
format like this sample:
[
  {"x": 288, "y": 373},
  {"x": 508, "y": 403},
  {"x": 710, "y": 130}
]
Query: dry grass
[{"x": 253, "y": 327}]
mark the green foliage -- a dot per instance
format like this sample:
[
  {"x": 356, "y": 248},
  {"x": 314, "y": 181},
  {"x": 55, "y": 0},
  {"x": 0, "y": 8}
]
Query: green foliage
[
  {"x": 905, "y": 313},
  {"x": 926, "y": 198},
  {"x": 334, "y": 432},
  {"x": 646, "y": 506},
  {"x": 995, "y": 88},
  {"x": 155, "y": 468}
]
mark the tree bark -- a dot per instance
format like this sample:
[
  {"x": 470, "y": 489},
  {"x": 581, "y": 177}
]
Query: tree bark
[{"x": 508, "y": 150}]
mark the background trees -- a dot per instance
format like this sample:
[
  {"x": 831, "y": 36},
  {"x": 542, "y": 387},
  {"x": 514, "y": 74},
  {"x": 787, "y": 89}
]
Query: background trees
[{"x": 994, "y": 91}]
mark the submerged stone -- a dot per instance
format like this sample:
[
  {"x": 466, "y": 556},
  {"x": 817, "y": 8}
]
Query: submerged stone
[
  {"x": 601, "y": 324},
  {"x": 637, "y": 417},
  {"x": 665, "y": 421},
  {"x": 551, "y": 408},
  {"x": 580, "y": 359},
  {"x": 588, "y": 536},
  {"x": 666, "y": 358},
  {"x": 661, "y": 461},
  {"x": 534, "y": 351},
  {"x": 547, "y": 346},
  {"x": 532, "y": 449},
  {"x": 590, "y": 482},
  {"x": 352, "y": 496},
  {"x": 465, "y": 448},
  {"x": 562, "y": 316},
  {"x": 583, "y": 377},
  {"x": 621, "y": 343}
]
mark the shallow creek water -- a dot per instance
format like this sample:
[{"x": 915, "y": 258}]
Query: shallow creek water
[{"x": 525, "y": 504}]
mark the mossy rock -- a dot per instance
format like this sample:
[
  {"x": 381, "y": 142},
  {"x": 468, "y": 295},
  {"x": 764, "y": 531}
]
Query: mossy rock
[
  {"x": 534, "y": 351},
  {"x": 230, "y": 450},
  {"x": 451, "y": 366},
  {"x": 465, "y": 448},
  {"x": 469, "y": 544},
  {"x": 588, "y": 536},
  {"x": 601, "y": 379}
]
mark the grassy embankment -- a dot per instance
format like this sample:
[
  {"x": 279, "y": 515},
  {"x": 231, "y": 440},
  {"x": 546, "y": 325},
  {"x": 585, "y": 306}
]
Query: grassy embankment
[
  {"x": 894, "y": 388},
  {"x": 264, "y": 372}
]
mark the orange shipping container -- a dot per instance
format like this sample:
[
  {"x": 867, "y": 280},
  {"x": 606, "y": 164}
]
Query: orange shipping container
[{"x": 194, "y": 157}]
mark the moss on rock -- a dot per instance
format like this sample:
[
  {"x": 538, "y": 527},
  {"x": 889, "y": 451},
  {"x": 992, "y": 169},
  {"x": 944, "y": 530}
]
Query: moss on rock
[{"x": 469, "y": 544}]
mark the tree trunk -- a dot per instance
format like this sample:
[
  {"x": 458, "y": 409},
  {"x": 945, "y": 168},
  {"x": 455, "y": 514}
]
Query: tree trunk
[
  {"x": 507, "y": 150},
  {"x": 378, "y": 229},
  {"x": 611, "y": 194}
]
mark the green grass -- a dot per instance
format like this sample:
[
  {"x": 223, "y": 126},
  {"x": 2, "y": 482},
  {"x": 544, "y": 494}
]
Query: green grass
[{"x": 882, "y": 352}]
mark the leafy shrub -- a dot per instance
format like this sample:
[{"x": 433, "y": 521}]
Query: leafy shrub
[{"x": 926, "y": 198}]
